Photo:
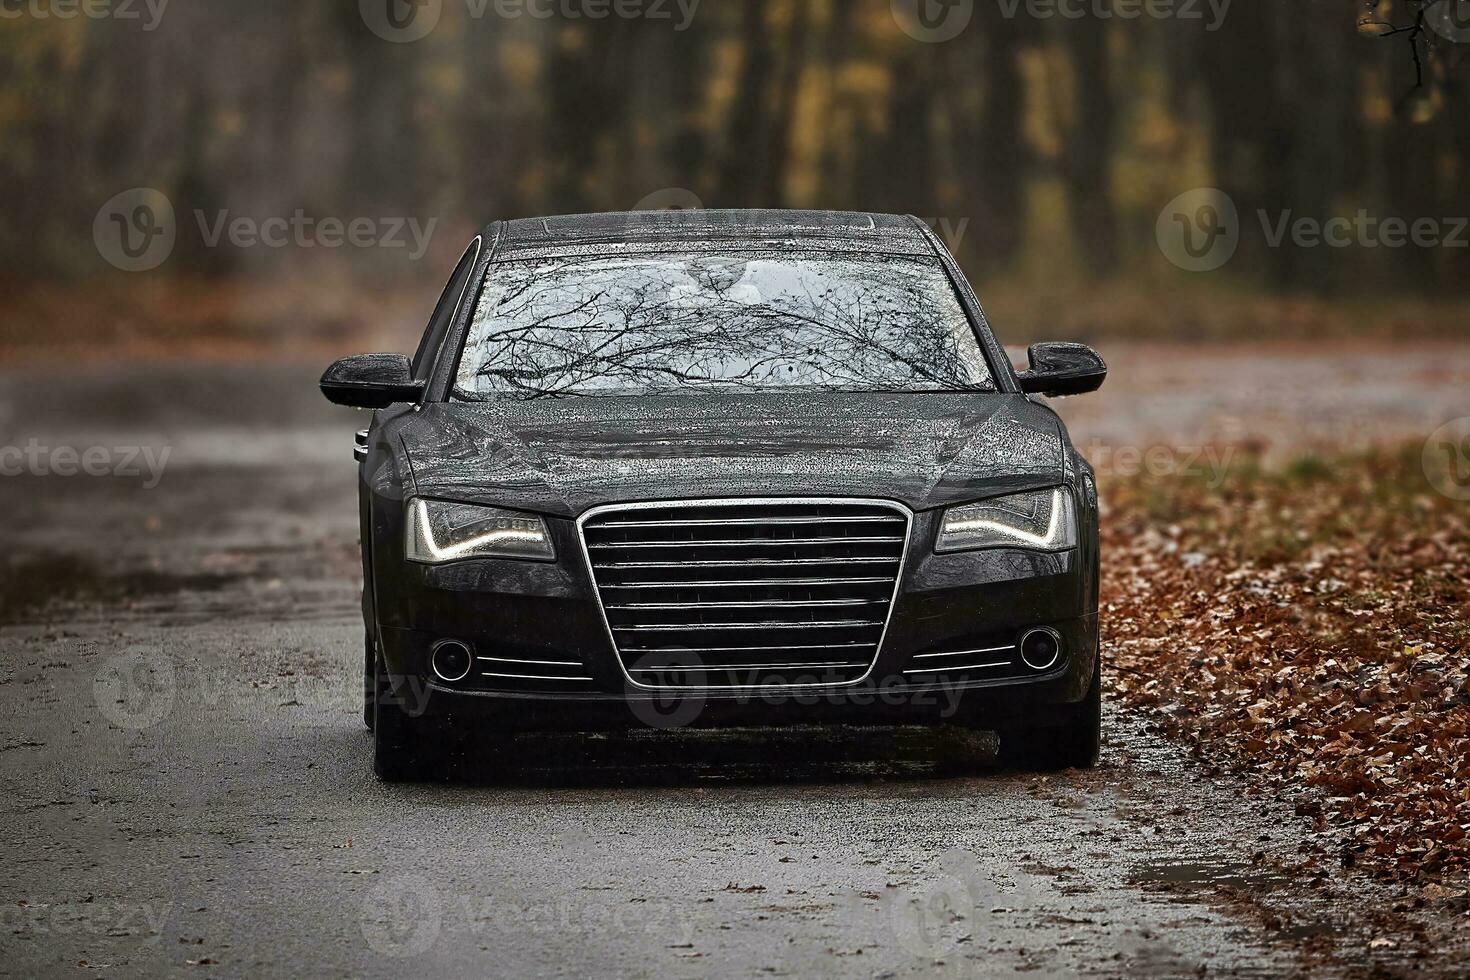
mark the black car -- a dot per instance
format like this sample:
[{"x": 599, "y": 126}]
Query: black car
[{"x": 721, "y": 468}]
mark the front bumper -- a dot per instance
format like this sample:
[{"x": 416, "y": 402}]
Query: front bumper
[{"x": 549, "y": 612}]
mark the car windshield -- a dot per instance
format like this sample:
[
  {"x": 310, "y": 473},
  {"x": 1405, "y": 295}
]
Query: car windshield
[{"x": 670, "y": 323}]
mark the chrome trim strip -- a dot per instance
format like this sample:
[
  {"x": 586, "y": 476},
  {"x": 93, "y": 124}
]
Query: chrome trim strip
[
  {"x": 532, "y": 677},
  {"x": 902, "y": 561},
  {"x": 955, "y": 669},
  {"x": 541, "y": 663},
  {"x": 960, "y": 653}
]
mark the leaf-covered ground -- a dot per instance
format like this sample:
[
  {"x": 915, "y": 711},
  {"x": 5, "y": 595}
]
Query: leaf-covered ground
[{"x": 1310, "y": 625}]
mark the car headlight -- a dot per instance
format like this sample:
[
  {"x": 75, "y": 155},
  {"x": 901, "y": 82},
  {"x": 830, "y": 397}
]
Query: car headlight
[
  {"x": 440, "y": 531},
  {"x": 1042, "y": 520}
]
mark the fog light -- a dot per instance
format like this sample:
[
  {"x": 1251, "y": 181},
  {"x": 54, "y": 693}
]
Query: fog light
[
  {"x": 451, "y": 660},
  {"x": 1041, "y": 648}
]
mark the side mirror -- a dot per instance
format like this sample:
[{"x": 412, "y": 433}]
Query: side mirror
[
  {"x": 1062, "y": 369},
  {"x": 371, "y": 381}
]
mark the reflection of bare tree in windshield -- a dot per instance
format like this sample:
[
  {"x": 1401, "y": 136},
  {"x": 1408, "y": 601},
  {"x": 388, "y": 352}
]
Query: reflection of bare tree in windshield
[{"x": 652, "y": 324}]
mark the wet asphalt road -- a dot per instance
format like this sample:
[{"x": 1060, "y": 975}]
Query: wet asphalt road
[{"x": 187, "y": 786}]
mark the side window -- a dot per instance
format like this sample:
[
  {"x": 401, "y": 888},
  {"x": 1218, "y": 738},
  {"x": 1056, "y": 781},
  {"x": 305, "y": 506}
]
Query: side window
[{"x": 423, "y": 358}]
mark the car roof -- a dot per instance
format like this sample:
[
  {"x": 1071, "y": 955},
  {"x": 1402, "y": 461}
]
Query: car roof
[{"x": 709, "y": 230}]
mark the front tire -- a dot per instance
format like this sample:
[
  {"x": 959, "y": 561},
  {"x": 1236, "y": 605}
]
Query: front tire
[
  {"x": 1074, "y": 743},
  {"x": 369, "y": 681},
  {"x": 401, "y": 741}
]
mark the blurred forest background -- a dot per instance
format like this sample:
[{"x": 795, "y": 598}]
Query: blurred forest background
[{"x": 1042, "y": 148}]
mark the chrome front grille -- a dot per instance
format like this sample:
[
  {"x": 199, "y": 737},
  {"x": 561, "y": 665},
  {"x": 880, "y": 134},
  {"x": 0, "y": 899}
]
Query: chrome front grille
[{"x": 746, "y": 593}]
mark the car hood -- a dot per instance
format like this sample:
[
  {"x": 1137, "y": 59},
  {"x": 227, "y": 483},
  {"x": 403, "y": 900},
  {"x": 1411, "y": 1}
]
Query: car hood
[{"x": 563, "y": 456}]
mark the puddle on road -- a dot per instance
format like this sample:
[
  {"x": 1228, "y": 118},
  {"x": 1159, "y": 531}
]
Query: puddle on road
[
  {"x": 1183, "y": 880},
  {"x": 1171, "y": 874}
]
